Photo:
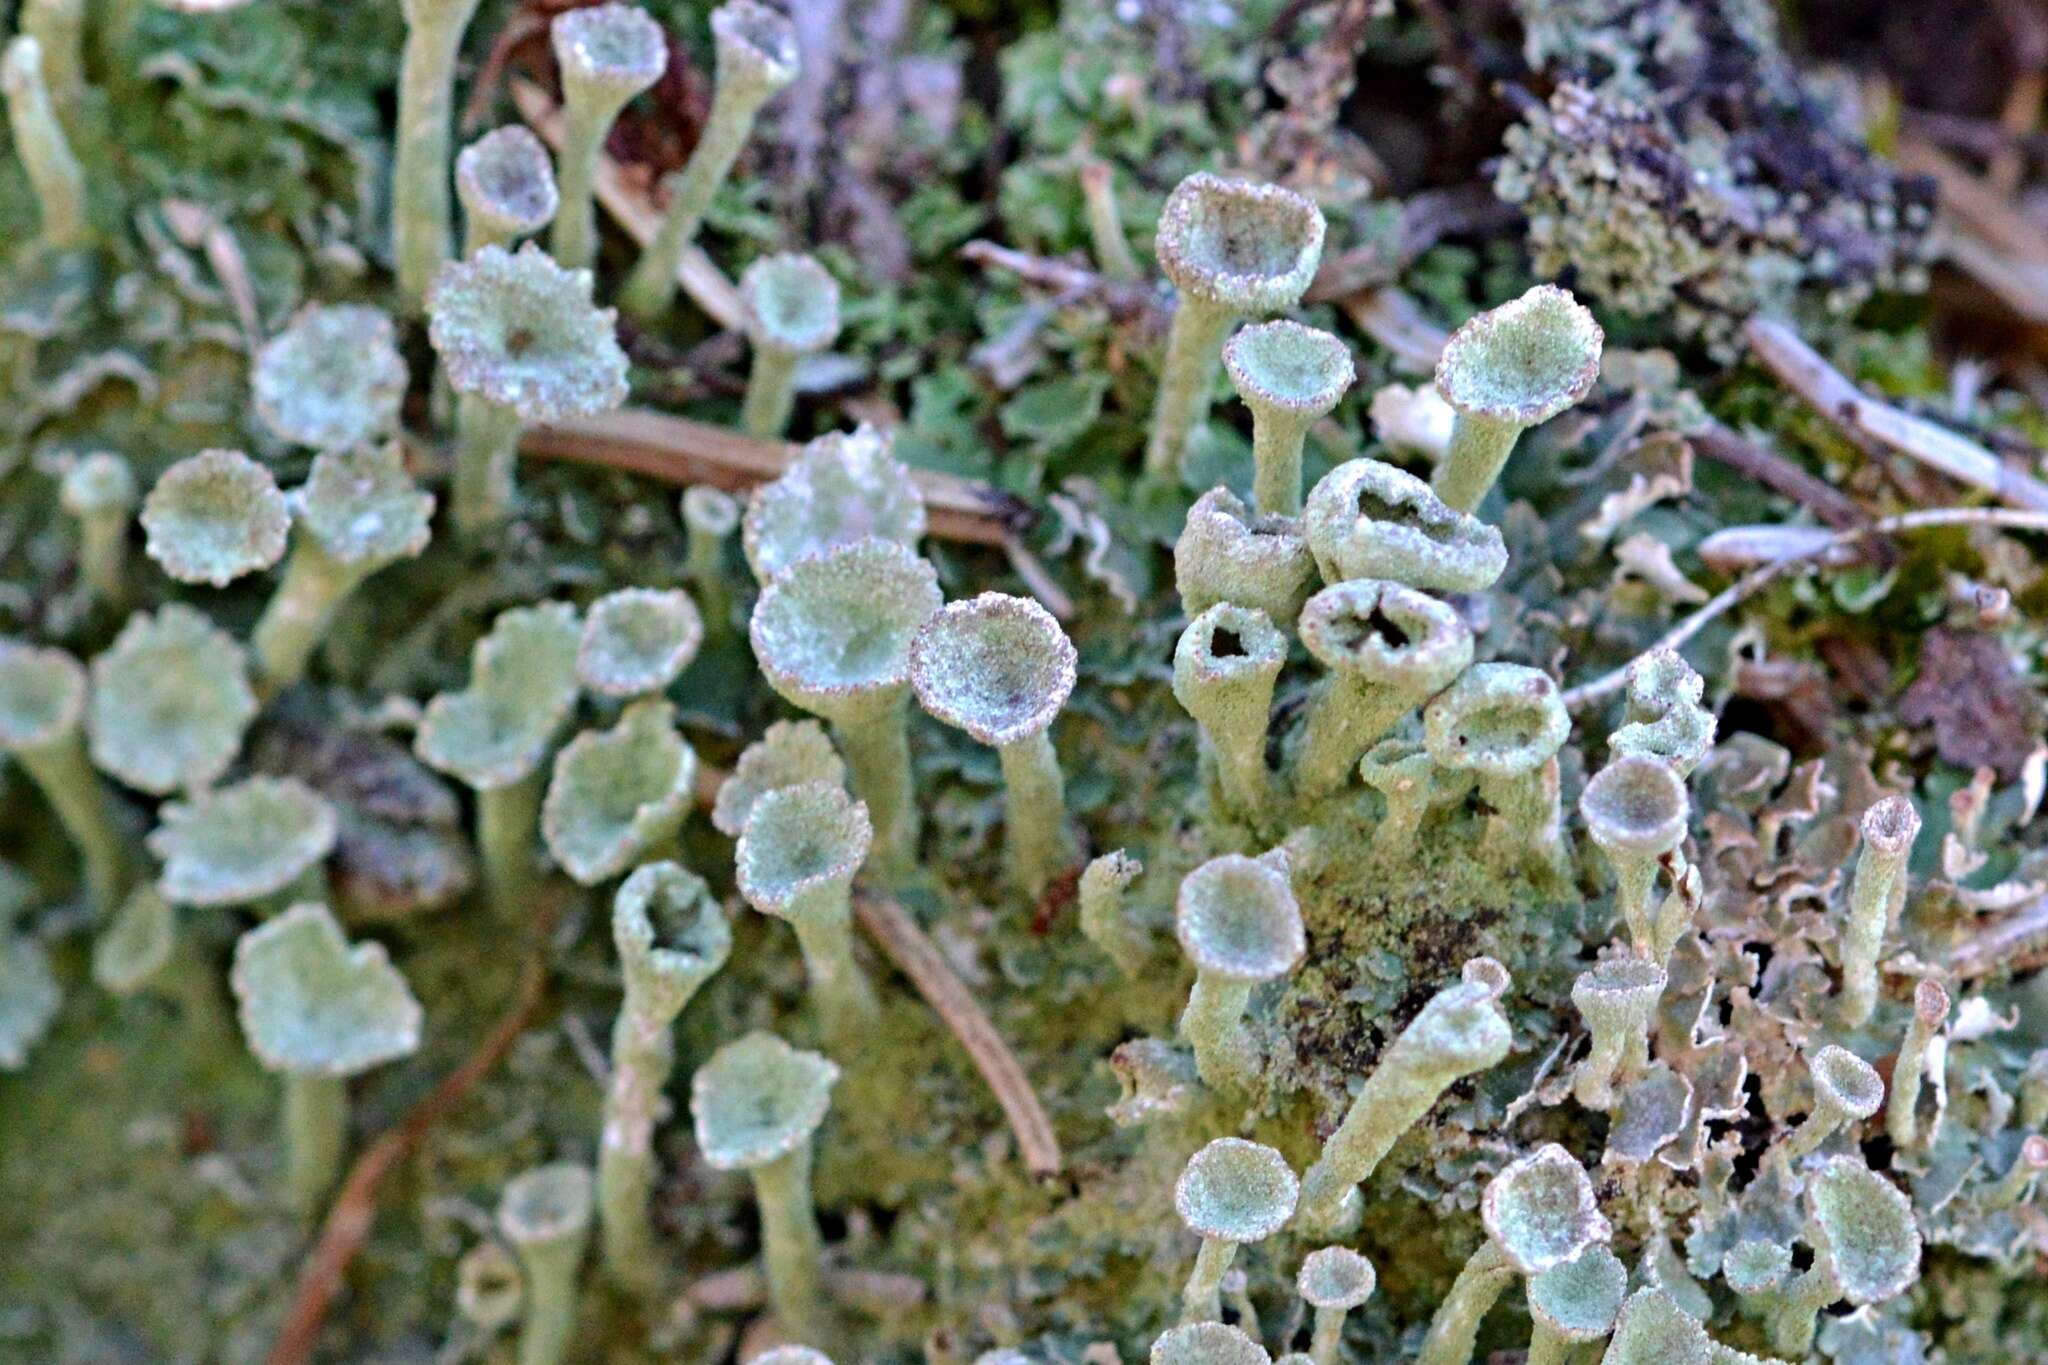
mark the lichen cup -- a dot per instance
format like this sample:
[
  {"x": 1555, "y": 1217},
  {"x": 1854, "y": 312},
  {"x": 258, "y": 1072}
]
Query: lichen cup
[
  {"x": 169, "y": 702},
  {"x": 1000, "y": 668},
  {"x": 832, "y": 633},
  {"x": 332, "y": 379},
  {"x": 260, "y": 838},
  {"x": 710, "y": 516},
  {"x": 1877, "y": 894},
  {"x": 636, "y": 641},
  {"x": 1333, "y": 1281},
  {"x": 1386, "y": 650},
  {"x": 1618, "y": 1000},
  {"x": 521, "y": 342},
  {"x": 840, "y": 488},
  {"x": 1573, "y": 1303},
  {"x": 788, "y": 754},
  {"x": 29, "y": 997},
  {"x": 1226, "y": 553},
  {"x": 1366, "y": 519},
  {"x": 359, "y": 511},
  {"x": 606, "y": 55},
  {"x": 42, "y": 709},
  {"x": 1846, "y": 1091},
  {"x": 506, "y": 182},
  {"x": 1291, "y": 377},
  {"x": 1663, "y": 718},
  {"x": 1224, "y": 668},
  {"x": 214, "y": 517},
  {"x": 1230, "y": 1193},
  {"x": 1507, "y": 370},
  {"x": 1231, "y": 249},
  {"x": 545, "y": 1214},
  {"x": 671, "y": 937},
  {"x": 792, "y": 310},
  {"x": 755, "y": 1106},
  {"x": 619, "y": 795},
  {"x": 318, "y": 1011},
  {"x": 796, "y": 859},
  {"x": 1636, "y": 810},
  {"x": 493, "y": 735},
  {"x": 100, "y": 492},
  {"x": 1866, "y": 1249},
  {"x": 1207, "y": 1343},
  {"x": 755, "y": 54},
  {"x": 1239, "y": 924},
  {"x": 1504, "y": 724}
]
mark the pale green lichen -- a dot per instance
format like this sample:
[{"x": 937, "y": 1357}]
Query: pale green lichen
[
  {"x": 506, "y": 182},
  {"x": 1866, "y": 1249},
  {"x": 1617, "y": 999},
  {"x": 545, "y": 1214},
  {"x": 637, "y": 640},
  {"x": 1101, "y": 895},
  {"x": 29, "y": 997},
  {"x": 1224, "y": 669},
  {"x": 1504, "y": 723},
  {"x": 41, "y": 144},
  {"x": 792, "y": 310},
  {"x": 1901, "y": 1115},
  {"x": 1846, "y": 1090},
  {"x": 1230, "y": 1193},
  {"x": 1225, "y": 553},
  {"x": 99, "y": 489},
  {"x": 1574, "y": 1302},
  {"x": 1230, "y": 249},
  {"x": 1663, "y": 718},
  {"x": 169, "y": 702},
  {"x": 796, "y": 859},
  {"x": 1366, "y": 519},
  {"x": 1290, "y": 376},
  {"x": 1636, "y": 811},
  {"x": 1000, "y": 668},
  {"x": 332, "y": 379},
  {"x": 1333, "y": 1281},
  {"x": 215, "y": 517},
  {"x": 606, "y": 54},
  {"x": 42, "y": 708},
  {"x": 239, "y": 844},
  {"x": 788, "y": 754},
  {"x": 616, "y": 796},
  {"x": 1876, "y": 895},
  {"x": 1239, "y": 924},
  {"x": 840, "y": 488}
]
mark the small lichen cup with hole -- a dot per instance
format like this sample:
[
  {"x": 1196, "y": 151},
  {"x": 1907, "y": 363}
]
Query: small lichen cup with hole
[
  {"x": 1901, "y": 1115},
  {"x": 606, "y": 55},
  {"x": 1618, "y": 1000},
  {"x": 792, "y": 311},
  {"x": 1574, "y": 1303},
  {"x": 754, "y": 55},
  {"x": 1000, "y": 668},
  {"x": 796, "y": 859},
  {"x": 358, "y": 511},
  {"x": 506, "y": 182},
  {"x": 1509, "y": 369},
  {"x": 1231, "y": 1192},
  {"x": 1224, "y": 668},
  {"x": 1291, "y": 377},
  {"x": 1238, "y": 922},
  {"x": 1385, "y": 650},
  {"x": 671, "y": 937},
  {"x": 521, "y": 342},
  {"x": 1231, "y": 249},
  {"x": 755, "y": 1106},
  {"x": 1503, "y": 724},
  {"x": 317, "y": 1010},
  {"x": 1366, "y": 519},
  {"x": 42, "y": 711},
  {"x": 832, "y": 634},
  {"x": 545, "y": 1214},
  {"x": 1876, "y": 894}
]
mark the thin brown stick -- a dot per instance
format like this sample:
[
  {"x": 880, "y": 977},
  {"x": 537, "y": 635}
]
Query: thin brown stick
[
  {"x": 635, "y": 212},
  {"x": 1759, "y": 578},
  {"x": 354, "y": 1212},
  {"x": 1780, "y": 475},
  {"x": 918, "y": 958},
  {"x": 1873, "y": 425}
]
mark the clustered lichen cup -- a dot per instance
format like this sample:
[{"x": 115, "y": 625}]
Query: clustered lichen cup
[
  {"x": 506, "y": 182},
  {"x": 796, "y": 859},
  {"x": 1291, "y": 377},
  {"x": 332, "y": 380},
  {"x": 1231, "y": 1192},
  {"x": 1239, "y": 924},
  {"x": 42, "y": 710}
]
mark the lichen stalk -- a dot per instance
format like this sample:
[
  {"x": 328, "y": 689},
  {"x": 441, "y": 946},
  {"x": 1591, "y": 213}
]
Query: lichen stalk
[
  {"x": 771, "y": 391},
  {"x": 1454, "y": 1330},
  {"x": 877, "y": 751},
  {"x": 506, "y": 818},
  {"x": 1901, "y": 1114},
  {"x": 1876, "y": 896},
  {"x": 791, "y": 1247},
  {"x": 1101, "y": 894},
  {"x": 1111, "y": 247},
  {"x": 39, "y": 140},
  {"x": 1034, "y": 812},
  {"x": 824, "y": 934},
  {"x": 642, "y": 1056},
  {"x": 1194, "y": 349},
  {"x": 422, "y": 209},
  {"x": 1226, "y": 1056},
  {"x": 59, "y": 25},
  {"x": 103, "y": 553},
  {"x": 486, "y": 454},
  {"x": 315, "y": 1136},
  {"x": 299, "y": 613},
  {"x": 85, "y": 808},
  {"x": 1202, "y": 1298},
  {"x": 1472, "y": 463}
]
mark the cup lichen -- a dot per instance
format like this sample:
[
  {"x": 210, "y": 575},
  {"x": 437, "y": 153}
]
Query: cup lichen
[
  {"x": 42, "y": 710},
  {"x": 214, "y": 517},
  {"x": 545, "y": 1214},
  {"x": 1224, "y": 668},
  {"x": 606, "y": 54},
  {"x": 796, "y": 859},
  {"x": 636, "y": 641},
  {"x": 1226, "y": 553},
  {"x": 1239, "y": 924},
  {"x": 332, "y": 379},
  {"x": 169, "y": 702},
  {"x": 619, "y": 795},
  {"x": 792, "y": 310},
  {"x": 1231, "y": 1192},
  {"x": 506, "y": 182},
  {"x": 1291, "y": 377},
  {"x": 1366, "y": 519},
  {"x": 99, "y": 489}
]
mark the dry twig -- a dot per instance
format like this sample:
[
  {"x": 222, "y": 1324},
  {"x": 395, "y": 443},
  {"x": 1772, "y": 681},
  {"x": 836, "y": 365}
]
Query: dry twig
[
  {"x": 1874, "y": 425},
  {"x": 2017, "y": 942},
  {"x": 918, "y": 958},
  {"x": 1757, "y": 579}
]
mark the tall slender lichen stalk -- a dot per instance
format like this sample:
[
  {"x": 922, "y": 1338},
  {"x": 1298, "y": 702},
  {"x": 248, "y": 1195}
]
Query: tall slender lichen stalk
[
  {"x": 755, "y": 55},
  {"x": 606, "y": 55},
  {"x": 792, "y": 310},
  {"x": 59, "y": 25},
  {"x": 545, "y": 1215},
  {"x": 99, "y": 490},
  {"x": 1290, "y": 376},
  {"x": 671, "y": 937},
  {"x": 39, "y": 140},
  {"x": 1230, "y": 249},
  {"x": 42, "y": 704},
  {"x": 1875, "y": 898},
  {"x": 1901, "y": 1116},
  {"x": 421, "y": 205}
]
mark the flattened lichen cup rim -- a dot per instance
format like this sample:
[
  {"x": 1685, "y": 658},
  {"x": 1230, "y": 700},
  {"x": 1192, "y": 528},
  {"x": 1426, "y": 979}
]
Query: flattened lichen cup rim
[
  {"x": 274, "y": 829},
  {"x": 1867, "y": 1229},
  {"x": 1335, "y": 1277},
  {"x": 1263, "y": 646},
  {"x": 1541, "y": 1210},
  {"x": 1254, "y": 935},
  {"x": 215, "y": 516},
  {"x": 1437, "y": 647},
  {"x": 1000, "y": 690},
  {"x": 1846, "y": 1082},
  {"x": 1636, "y": 804},
  {"x": 618, "y": 48},
  {"x": 57, "y": 694},
  {"x": 1756, "y": 1264},
  {"x": 562, "y": 1194},
  {"x": 1310, "y": 385},
  {"x": 1477, "y": 354},
  {"x": 791, "y": 302},
  {"x": 874, "y": 685},
  {"x": 1576, "y": 1318},
  {"x": 486, "y": 316},
  {"x": 508, "y": 174},
  {"x": 208, "y": 657},
  {"x": 1236, "y": 1190},
  {"x": 352, "y": 346},
  {"x": 582, "y": 817},
  {"x": 1206, "y": 1343},
  {"x": 1890, "y": 825},
  {"x": 800, "y": 748},
  {"x": 1619, "y": 983},
  {"x": 833, "y": 843},
  {"x": 805, "y": 510},
  {"x": 1493, "y": 688},
  {"x": 334, "y": 507},
  {"x": 400, "y": 1035},
  {"x": 1195, "y": 245},
  {"x": 757, "y": 1134},
  {"x": 621, "y": 618},
  {"x": 748, "y": 32}
]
